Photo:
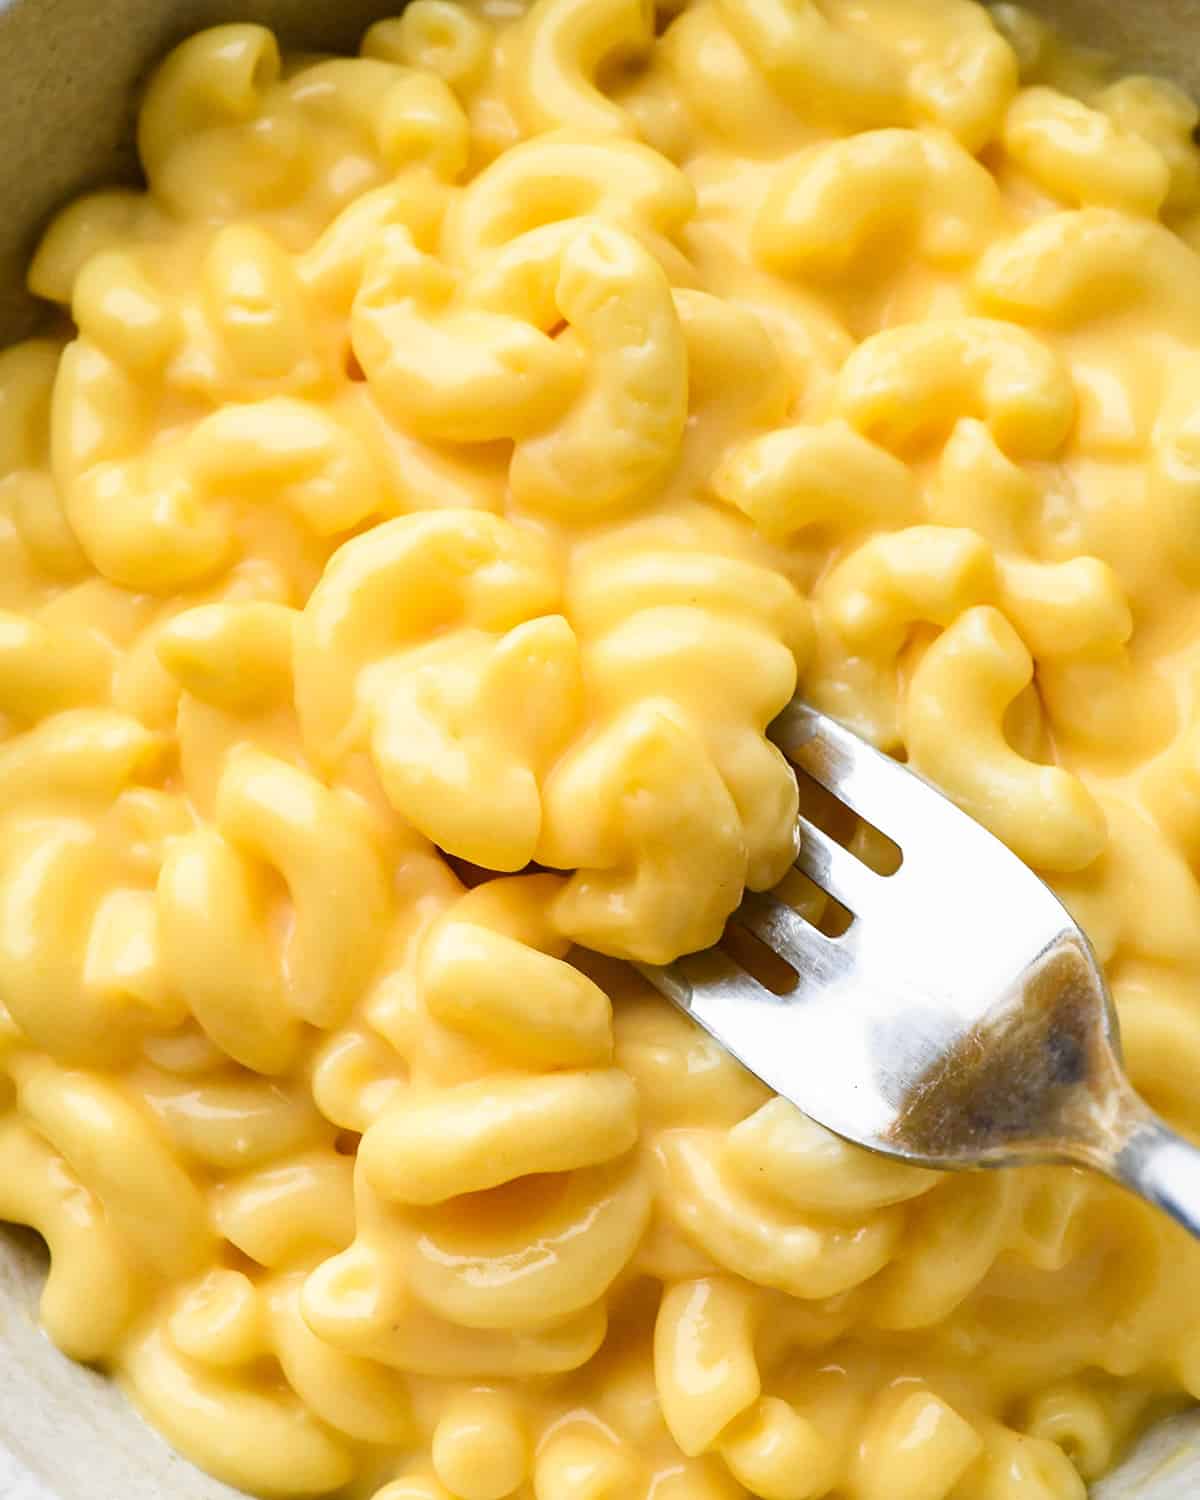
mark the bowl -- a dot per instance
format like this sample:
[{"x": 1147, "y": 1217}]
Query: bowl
[{"x": 69, "y": 71}]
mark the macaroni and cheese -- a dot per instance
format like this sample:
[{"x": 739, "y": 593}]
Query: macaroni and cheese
[{"x": 458, "y": 456}]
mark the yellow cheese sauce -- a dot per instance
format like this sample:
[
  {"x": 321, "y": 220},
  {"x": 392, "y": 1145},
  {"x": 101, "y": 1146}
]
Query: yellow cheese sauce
[{"x": 466, "y": 449}]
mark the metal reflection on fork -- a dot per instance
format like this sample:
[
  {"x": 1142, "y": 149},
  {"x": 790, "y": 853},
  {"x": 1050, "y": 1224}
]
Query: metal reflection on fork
[{"x": 961, "y": 1020}]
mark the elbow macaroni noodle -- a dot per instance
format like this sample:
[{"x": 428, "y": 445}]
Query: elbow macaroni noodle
[{"x": 466, "y": 450}]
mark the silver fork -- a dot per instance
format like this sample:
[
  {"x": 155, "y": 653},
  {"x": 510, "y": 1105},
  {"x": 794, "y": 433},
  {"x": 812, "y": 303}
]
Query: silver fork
[{"x": 960, "y": 1021}]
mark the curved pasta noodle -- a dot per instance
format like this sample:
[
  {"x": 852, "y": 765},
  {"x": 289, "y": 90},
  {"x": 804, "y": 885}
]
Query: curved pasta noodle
[
  {"x": 683, "y": 1077},
  {"x": 410, "y": 116},
  {"x": 355, "y": 1075},
  {"x": 721, "y": 85},
  {"x": 530, "y": 1006},
  {"x": 619, "y": 311},
  {"x": 214, "y": 81},
  {"x": 633, "y": 404},
  {"x": 227, "y": 1323},
  {"x": 1079, "y": 154},
  {"x": 289, "y": 1212},
  {"x": 659, "y": 642},
  {"x": 256, "y": 1437},
  {"x": 93, "y": 1287},
  {"x": 231, "y": 1122},
  {"x": 789, "y": 1157},
  {"x": 1074, "y": 615},
  {"x": 924, "y": 572},
  {"x": 479, "y": 1446},
  {"x": 435, "y": 568},
  {"x": 222, "y": 94},
  {"x": 356, "y": 1302},
  {"x": 1075, "y": 1420},
  {"x": 560, "y": 48},
  {"x": 1163, "y": 115},
  {"x": 582, "y": 1464},
  {"x": 565, "y": 175},
  {"x": 96, "y": 222},
  {"x": 159, "y": 1212},
  {"x": 962, "y": 72},
  {"x": 970, "y": 675},
  {"x": 740, "y": 801},
  {"x": 894, "y": 72},
  {"x": 210, "y": 900},
  {"x": 82, "y": 753},
  {"x": 1063, "y": 266},
  {"x": 296, "y": 825},
  {"x": 428, "y": 1149},
  {"x": 118, "y": 309},
  {"x": 465, "y": 374},
  {"x": 436, "y": 35},
  {"x": 777, "y": 1452},
  {"x": 234, "y": 656},
  {"x": 42, "y": 525},
  {"x": 805, "y": 57},
  {"x": 163, "y": 519},
  {"x": 1117, "y": 909},
  {"x": 920, "y": 1442},
  {"x": 138, "y": 526},
  {"x": 52, "y": 912},
  {"x": 838, "y": 204},
  {"x": 351, "y": 1395},
  {"x": 254, "y": 328},
  {"x": 291, "y": 452},
  {"x": 957, "y": 1235},
  {"x": 331, "y": 269},
  {"x": 1010, "y": 1458},
  {"x": 218, "y": 1320},
  {"x": 797, "y": 477},
  {"x": 736, "y": 379},
  {"x": 45, "y": 668},
  {"x": 869, "y": 603},
  {"x": 240, "y": 61},
  {"x": 647, "y": 751},
  {"x": 431, "y": 715},
  {"x": 545, "y": 1266},
  {"x": 759, "y": 1241},
  {"x": 908, "y": 385},
  {"x": 27, "y": 374},
  {"x": 459, "y": 1227},
  {"x": 704, "y": 1362}
]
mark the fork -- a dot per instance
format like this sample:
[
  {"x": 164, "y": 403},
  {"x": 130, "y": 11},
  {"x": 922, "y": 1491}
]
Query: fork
[{"x": 961, "y": 1020}]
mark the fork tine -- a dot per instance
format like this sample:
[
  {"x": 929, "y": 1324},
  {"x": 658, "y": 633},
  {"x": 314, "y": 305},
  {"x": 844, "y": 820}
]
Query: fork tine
[
  {"x": 709, "y": 978},
  {"x": 834, "y": 868},
  {"x": 668, "y": 980},
  {"x": 869, "y": 782},
  {"x": 781, "y": 927},
  {"x": 774, "y": 1035},
  {"x": 717, "y": 992}
]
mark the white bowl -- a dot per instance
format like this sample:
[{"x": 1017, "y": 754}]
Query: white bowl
[{"x": 68, "y": 75}]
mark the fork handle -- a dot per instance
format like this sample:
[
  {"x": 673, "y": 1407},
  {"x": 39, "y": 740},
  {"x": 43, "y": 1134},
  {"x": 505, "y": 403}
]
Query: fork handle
[{"x": 1161, "y": 1167}]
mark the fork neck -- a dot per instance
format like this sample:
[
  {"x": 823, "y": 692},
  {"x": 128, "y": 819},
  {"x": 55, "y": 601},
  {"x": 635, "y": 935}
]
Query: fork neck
[{"x": 1160, "y": 1166}]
